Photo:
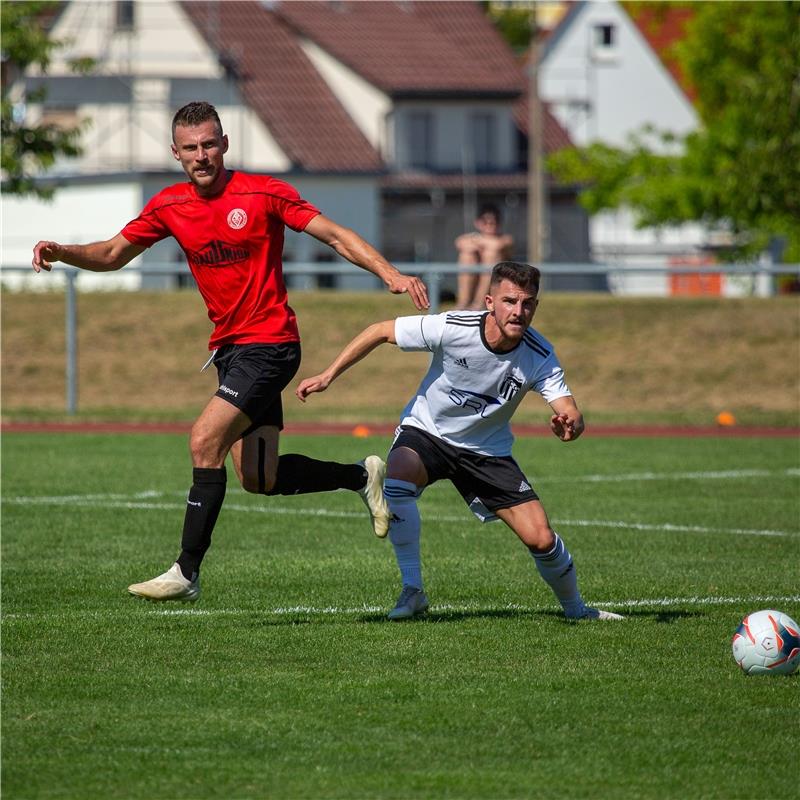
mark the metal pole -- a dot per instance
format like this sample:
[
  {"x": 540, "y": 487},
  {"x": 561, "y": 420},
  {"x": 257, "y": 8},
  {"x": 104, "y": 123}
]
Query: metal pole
[
  {"x": 535, "y": 150},
  {"x": 72, "y": 342},
  {"x": 434, "y": 281}
]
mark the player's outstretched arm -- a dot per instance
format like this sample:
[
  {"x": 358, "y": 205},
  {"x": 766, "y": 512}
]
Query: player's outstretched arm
[
  {"x": 105, "y": 256},
  {"x": 351, "y": 246},
  {"x": 567, "y": 421},
  {"x": 364, "y": 343}
]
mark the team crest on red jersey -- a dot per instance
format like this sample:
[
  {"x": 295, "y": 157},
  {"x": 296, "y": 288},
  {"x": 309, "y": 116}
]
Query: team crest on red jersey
[{"x": 237, "y": 219}]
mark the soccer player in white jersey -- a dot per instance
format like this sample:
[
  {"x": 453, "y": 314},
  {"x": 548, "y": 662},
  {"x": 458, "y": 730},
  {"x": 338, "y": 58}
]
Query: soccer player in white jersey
[{"x": 457, "y": 427}]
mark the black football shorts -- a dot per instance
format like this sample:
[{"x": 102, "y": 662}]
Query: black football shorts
[
  {"x": 252, "y": 377},
  {"x": 491, "y": 482}
]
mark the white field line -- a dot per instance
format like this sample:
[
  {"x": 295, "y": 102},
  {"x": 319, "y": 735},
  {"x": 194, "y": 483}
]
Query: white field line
[
  {"x": 696, "y": 475},
  {"x": 345, "y": 611},
  {"x": 130, "y": 499},
  {"x": 621, "y": 477},
  {"x": 669, "y": 527},
  {"x": 140, "y": 501},
  {"x": 684, "y": 476}
]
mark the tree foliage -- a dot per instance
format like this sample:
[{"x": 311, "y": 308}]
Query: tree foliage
[
  {"x": 514, "y": 23},
  {"x": 28, "y": 150},
  {"x": 741, "y": 169}
]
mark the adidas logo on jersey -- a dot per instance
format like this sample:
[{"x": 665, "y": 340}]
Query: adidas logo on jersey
[
  {"x": 462, "y": 362},
  {"x": 524, "y": 487}
]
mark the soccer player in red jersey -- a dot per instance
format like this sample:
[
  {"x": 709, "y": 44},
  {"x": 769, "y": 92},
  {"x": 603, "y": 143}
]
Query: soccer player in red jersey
[{"x": 230, "y": 225}]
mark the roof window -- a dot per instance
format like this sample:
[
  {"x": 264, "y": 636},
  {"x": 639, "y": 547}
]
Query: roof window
[{"x": 604, "y": 41}]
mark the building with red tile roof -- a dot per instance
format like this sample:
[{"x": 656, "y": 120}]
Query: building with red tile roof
[
  {"x": 396, "y": 117},
  {"x": 442, "y": 51}
]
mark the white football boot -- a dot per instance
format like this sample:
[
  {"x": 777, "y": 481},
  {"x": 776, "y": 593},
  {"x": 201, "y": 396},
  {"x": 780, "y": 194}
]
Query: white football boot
[
  {"x": 372, "y": 495},
  {"x": 169, "y": 586}
]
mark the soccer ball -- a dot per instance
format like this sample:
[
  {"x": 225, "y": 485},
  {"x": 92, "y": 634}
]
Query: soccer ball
[{"x": 767, "y": 643}]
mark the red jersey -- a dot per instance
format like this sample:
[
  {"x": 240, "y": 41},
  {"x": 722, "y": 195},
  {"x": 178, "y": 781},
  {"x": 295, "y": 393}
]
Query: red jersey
[{"x": 233, "y": 243}]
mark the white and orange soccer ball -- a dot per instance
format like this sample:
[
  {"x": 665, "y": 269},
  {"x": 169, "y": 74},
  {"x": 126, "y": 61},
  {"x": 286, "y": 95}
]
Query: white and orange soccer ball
[{"x": 767, "y": 643}]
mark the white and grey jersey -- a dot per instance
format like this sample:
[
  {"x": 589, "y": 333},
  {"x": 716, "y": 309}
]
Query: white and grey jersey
[{"x": 470, "y": 391}]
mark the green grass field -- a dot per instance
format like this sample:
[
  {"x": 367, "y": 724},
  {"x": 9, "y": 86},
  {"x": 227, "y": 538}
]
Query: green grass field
[{"x": 285, "y": 680}]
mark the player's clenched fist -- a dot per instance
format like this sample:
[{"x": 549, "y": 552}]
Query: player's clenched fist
[{"x": 565, "y": 428}]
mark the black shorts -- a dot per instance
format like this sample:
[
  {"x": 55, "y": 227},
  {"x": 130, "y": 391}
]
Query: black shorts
[
  {"x": 252, "y": 377},
  {"x": 493, "y": 482}
]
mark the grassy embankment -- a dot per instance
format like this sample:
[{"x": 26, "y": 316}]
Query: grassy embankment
[{"x": 627, "y": 360}]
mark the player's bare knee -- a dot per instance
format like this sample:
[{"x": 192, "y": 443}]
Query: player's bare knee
[
  {"x": 205, "y": 449},
  {"x": 538, "y": 537}
]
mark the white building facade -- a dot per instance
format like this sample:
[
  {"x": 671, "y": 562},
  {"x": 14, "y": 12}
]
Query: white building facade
[
  {"x": 150, "y": 60},
  {"x": 604, "y": 82}
]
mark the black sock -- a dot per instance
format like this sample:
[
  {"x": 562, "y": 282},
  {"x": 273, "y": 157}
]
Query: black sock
[
  {"x": 300, "y": 475},
  {"x": 202, "y": 510}
]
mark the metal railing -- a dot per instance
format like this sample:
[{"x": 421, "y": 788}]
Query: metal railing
[{"x": 431, "y": 273}]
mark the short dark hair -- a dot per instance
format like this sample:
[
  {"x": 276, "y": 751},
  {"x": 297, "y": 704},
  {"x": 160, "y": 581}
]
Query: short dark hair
[
  {"x": 195, "y": 113},
  {"x": 523, "y": 275},
  {"x": 489, "y": 208}
]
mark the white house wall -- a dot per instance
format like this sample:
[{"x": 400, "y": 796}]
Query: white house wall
[
  {"x": 252, "y": 146},
  {"x": 368, "y": 106},
  {"x": 77, "y": 215},
  {"x": 605, "y": 95},
  {"x": 164, "y": 41},
  {"x": 140, "y": 79}
]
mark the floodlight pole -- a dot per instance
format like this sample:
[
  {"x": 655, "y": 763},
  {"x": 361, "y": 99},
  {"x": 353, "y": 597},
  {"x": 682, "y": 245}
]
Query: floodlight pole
[{"x": 535, "y": 150}]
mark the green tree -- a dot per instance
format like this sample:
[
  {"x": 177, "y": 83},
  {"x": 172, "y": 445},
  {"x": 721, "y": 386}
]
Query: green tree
[
  {"x": 514, "y": 21},
  {"x": 29, "y": 150},
  {"x": 741, "y": 169}
]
